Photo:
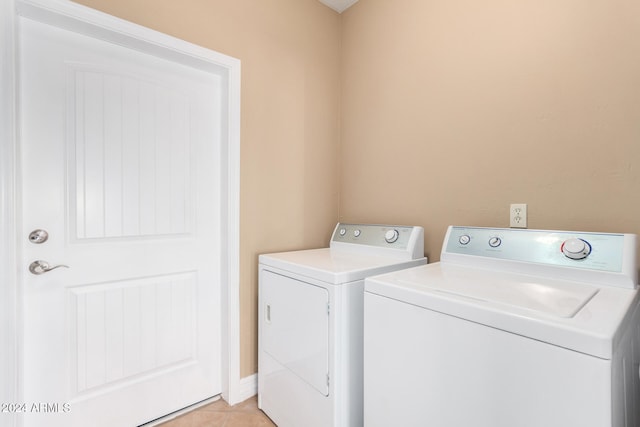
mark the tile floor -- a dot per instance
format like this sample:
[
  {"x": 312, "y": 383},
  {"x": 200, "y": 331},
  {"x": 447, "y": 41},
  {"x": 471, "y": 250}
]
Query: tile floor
[{"x": 219, "y": 414}]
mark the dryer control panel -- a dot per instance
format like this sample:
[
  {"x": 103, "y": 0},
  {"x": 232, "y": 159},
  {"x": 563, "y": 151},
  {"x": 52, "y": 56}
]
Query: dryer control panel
[
  {"x": 383, "y": 239},
  {"x": 595, "y": 254}
]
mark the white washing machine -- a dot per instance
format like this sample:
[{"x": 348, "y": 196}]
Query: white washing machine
[
  {"x": 310, "y": 322},
  {"x": 525, "y": 328}
]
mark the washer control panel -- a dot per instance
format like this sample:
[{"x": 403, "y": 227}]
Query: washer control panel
[{"x": 593, "y": 251}]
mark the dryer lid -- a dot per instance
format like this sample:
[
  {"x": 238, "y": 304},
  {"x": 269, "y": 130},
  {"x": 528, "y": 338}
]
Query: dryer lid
[{"x": 335, "y": 266}]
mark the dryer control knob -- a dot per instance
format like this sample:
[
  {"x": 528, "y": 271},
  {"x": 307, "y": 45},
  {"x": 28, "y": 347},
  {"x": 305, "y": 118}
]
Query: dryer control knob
[
  {"x": 391, "y": 236},
  {"x": 576, "y": 248}
]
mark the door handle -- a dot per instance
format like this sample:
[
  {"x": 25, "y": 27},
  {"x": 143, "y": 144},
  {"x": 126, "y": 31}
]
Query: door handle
[{"x": 41, "y": 267}]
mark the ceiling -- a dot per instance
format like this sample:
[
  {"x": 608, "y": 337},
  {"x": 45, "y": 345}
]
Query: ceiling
[{"x": 339, "y": 5}]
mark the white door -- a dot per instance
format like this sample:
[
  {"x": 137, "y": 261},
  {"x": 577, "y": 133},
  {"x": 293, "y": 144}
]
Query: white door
[{"x": 120, "y": 164}]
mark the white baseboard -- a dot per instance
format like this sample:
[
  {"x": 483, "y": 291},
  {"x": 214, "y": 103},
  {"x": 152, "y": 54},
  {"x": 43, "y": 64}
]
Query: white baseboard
[{"x": 248, "y": 387}]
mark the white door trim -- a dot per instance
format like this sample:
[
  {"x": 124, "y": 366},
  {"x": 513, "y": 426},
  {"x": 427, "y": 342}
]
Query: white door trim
[
  {"x": 72, "y": 16},
  {"x": 8, "y": 291}
]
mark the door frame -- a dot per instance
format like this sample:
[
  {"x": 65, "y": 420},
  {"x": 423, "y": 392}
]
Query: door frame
[{"x": 75, "y": 17}]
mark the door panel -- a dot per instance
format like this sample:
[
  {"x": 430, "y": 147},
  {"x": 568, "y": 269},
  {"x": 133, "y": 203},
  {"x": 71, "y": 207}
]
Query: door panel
[
  {"x": 120, "y": 163},
  {"x": 132, "y": 156},
  {"x": 131, "y": 327},
  {"x": 118, "y": 191}
]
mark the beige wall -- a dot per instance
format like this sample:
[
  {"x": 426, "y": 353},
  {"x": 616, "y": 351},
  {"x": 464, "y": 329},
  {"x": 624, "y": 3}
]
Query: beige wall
[
  {"x": 290, "y": 120},
  {"x": 453, "y": 109}
]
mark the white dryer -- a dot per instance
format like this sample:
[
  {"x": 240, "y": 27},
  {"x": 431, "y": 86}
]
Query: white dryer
[
  {"x": 310, "y": 322},
  {"x": 526, "y": 328}
]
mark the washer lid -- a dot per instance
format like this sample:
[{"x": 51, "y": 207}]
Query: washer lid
[
  {"x": 575, "y": 315},
  {"x": 335, "y": 266},
  {"x": 533, "y": 294}
]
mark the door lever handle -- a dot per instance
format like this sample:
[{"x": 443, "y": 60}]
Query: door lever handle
[{"x": 41, "y": 267}]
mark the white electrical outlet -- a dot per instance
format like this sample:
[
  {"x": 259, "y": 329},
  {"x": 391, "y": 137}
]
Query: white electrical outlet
[{"x": 518, "y": 215}]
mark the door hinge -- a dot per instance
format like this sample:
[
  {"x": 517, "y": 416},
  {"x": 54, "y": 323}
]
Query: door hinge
[
  {"x": 327, "y": 380},
  {"x": 328, "y": 309}
]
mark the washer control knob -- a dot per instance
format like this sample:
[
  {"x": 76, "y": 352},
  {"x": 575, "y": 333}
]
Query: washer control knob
[
  {"x": 391, "y": 236},
  {"x": 356, "y": 233},
  {"x": 576, "y": 248},
  {"x": 342, "y": 231},
  {"x": 464, "y": 239},
  {"x": 494, "y": 242}
]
